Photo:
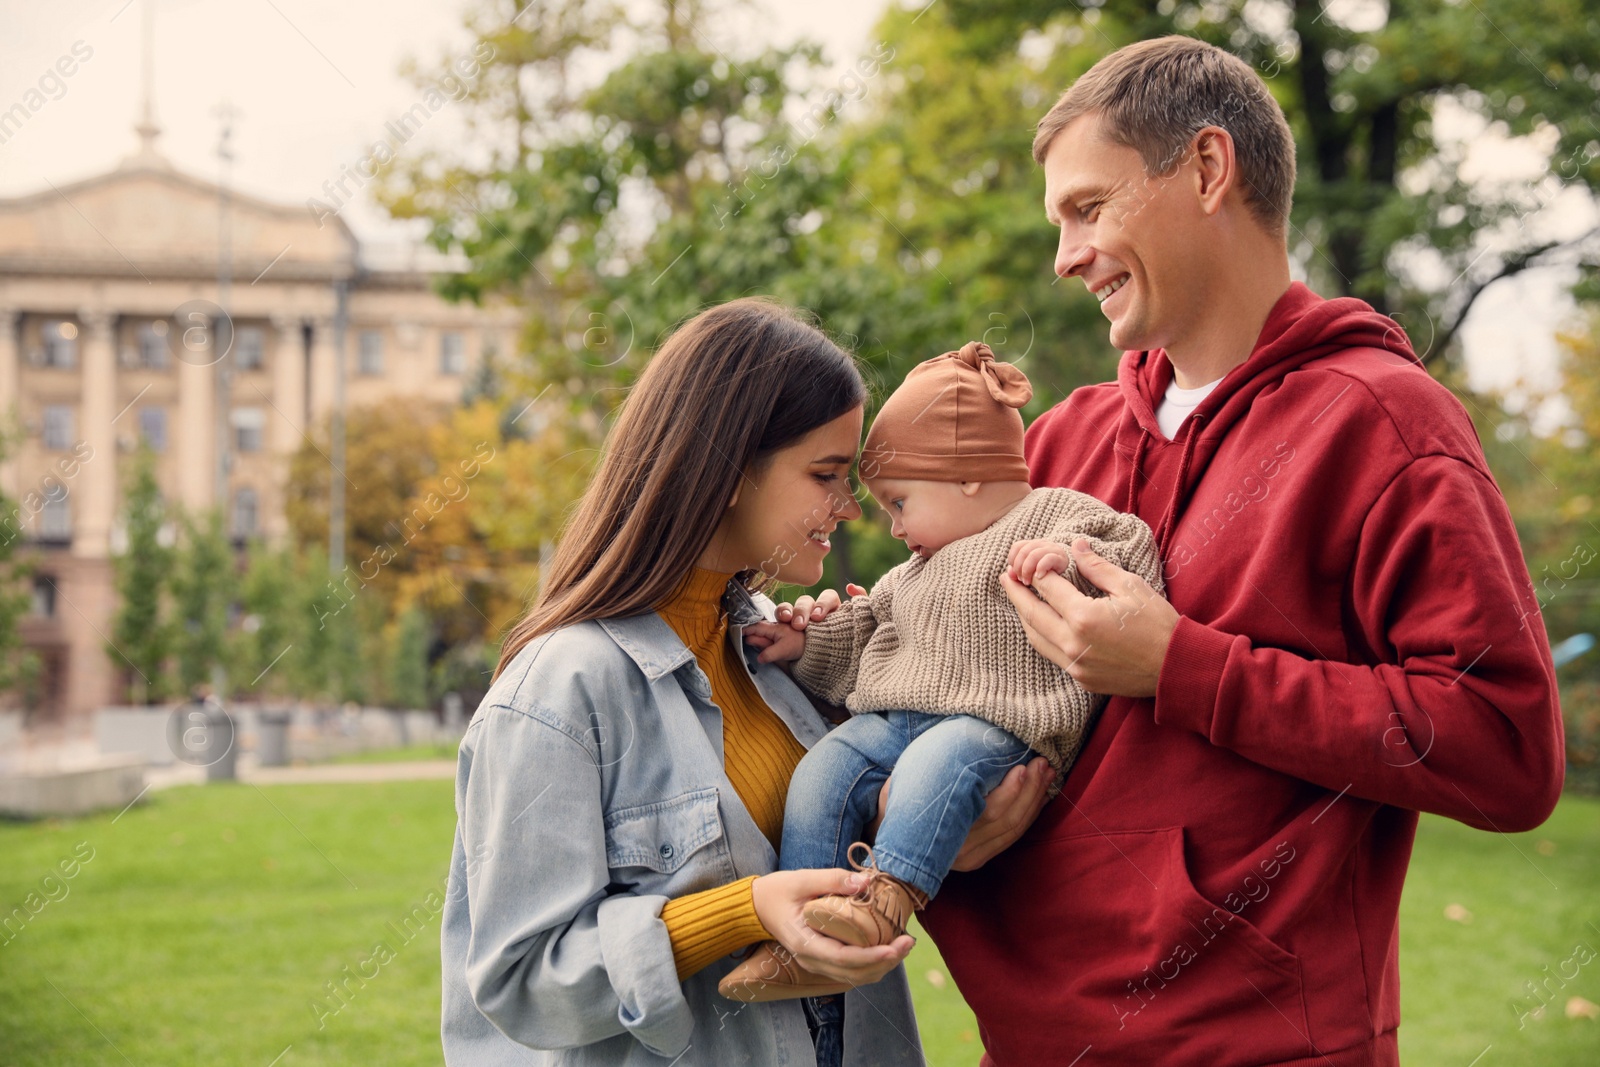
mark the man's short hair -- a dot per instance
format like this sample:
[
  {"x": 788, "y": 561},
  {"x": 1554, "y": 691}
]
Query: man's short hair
[{"x": 1154, "y": 96}]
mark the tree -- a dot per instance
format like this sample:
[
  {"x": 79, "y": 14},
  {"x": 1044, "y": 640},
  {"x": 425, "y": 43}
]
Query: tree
[
  {"x": 503, "y": 486},
  {"x": 742, "y": 203},
  {"x": 408, "y": 665},
  {"x": 270, "y": 629},
  {"x": 202, "y": 577},
  {"x": 386, "y": 457},
  {"x": 1383, "y": 99},
  {"x": 309, "y": 667},
  {"x": 141, "y": 635},
  {"x": 19, "y": 666},
  {"x": 1551, "y": 478}
]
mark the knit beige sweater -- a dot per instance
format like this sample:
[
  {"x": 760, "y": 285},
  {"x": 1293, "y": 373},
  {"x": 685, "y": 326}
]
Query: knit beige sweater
[{"x": 938, "y": 635}]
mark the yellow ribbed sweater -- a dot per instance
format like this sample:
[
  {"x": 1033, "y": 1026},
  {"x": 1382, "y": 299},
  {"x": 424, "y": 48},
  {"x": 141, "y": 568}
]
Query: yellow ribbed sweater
[{"x": 759, "y": 756}]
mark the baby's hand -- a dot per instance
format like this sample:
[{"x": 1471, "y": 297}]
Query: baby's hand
[
  {"x": 1030, "y": 559},
  {"x": 779, "y": 641},
  {"x": 807, "y": 610}
]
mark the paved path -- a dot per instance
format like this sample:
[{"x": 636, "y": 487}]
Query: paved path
[
  {"x": 316, "y": 773},
  {"x": 352, "y": 772}
]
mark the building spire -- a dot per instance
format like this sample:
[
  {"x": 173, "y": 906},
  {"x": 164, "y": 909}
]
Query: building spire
[{"x": 146, "y": 127}]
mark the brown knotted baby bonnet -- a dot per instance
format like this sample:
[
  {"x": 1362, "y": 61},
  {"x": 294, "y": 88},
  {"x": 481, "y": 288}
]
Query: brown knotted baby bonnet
[{"x": 954, "y": 419}]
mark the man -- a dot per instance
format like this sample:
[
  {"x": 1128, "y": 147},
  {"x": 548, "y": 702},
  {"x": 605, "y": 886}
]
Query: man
[{"x": 1350, "y": 635}]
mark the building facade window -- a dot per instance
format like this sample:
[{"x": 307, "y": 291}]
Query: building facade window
[
  {"x": 246, "y": 512},
  {"x": 249, "y": 426},
  {"x": 44, "y": 596},
  {"x": 153, "y": 428},
  {"x": 249, "y": 348},
  {"x": 153, "y": 354},
  {"x": 55, "y": 519},
  {"x": 370, "y": 357},
  {"x": 60, "y": 340},
  {"x": 452, "y": 353},
  {"x": 58, "y": 426}
]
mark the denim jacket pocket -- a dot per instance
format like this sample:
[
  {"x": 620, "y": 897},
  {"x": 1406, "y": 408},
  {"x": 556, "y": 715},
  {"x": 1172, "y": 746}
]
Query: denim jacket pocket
[{"x": 662, "y": 836}]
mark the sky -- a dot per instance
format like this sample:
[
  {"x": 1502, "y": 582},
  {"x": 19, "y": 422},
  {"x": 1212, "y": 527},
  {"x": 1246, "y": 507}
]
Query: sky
[{"x": 312, "y": 83}]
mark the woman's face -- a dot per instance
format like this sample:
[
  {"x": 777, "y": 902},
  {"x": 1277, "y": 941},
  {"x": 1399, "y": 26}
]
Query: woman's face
[{"x": 785, "y": 508}]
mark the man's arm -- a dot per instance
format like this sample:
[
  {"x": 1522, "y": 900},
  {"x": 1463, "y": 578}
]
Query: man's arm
[{"x": 1461, "y": 719}]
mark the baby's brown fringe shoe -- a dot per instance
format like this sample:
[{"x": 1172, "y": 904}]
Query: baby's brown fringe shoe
[{"x": 874, "y": 915}]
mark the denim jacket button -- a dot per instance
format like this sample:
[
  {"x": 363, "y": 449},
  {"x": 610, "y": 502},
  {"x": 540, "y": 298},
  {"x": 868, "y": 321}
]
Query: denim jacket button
[{"x": 666, "y": 852}]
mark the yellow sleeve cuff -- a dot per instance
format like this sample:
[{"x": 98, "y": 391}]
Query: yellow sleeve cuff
[{"x": 706, "y": 926}]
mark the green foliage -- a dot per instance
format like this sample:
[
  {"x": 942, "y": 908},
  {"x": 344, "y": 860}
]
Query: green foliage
[
  {"x": 951, "y": 195},
  {"x": 1552, "y": 481},
  {"x": 270, "y": 629},
  {"x": 141, "y": 634},
  {"x": 201, "y": 586},
  {"x": 335, "y": 627},
  {"x": 467, "y": 669},
  {"x": 19, "y": 666},
  {"x": 408, "y": 664},
  {"x": 355, "y": 649},
  {"x": 897, "y": 204}
]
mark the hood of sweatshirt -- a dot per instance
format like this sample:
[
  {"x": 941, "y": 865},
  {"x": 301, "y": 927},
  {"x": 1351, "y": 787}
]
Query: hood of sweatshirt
[{"x": 1300, "y": 328}]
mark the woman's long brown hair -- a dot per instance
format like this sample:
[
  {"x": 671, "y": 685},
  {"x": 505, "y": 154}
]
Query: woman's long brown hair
[{"x": 730, "y": 386}]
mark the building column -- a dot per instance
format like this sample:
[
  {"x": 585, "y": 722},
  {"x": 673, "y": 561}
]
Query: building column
[
  {"x": 97, "y": 489},
  {"x": 288, "y": 384},
  {"x": 286, "y": 416},
  {"x": 194, "y": 429},
  {"x": 86, "y": 580},
  {"x": 10, "y": 392},
  {"x": 324, "y": 371}
]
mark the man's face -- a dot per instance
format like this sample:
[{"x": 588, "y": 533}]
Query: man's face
[{"x": 1127, "y": 234}]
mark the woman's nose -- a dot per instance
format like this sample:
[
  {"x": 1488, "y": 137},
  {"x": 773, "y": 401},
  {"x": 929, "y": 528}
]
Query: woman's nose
[{"x": 848, "y": 508}]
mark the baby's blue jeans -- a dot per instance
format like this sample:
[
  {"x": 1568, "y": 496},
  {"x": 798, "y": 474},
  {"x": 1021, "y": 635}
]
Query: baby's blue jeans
[{"x": 943, "y": 766}]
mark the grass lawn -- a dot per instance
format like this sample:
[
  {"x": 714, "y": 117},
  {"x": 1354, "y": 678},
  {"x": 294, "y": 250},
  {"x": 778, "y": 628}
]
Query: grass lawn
[
  {"x": 206, "y": 924},
  {"x": 411, "y": 753},
  {"x": 210, "y": 919}
]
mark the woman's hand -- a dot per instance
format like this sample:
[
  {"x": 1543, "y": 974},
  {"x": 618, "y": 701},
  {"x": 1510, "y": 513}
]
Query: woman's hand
[
  {"x": 778, "y": 898},
  {"x": 808, "y": 609},
  {"x": 779, "y": 642},
  {"x": 1008, "y": 811}
]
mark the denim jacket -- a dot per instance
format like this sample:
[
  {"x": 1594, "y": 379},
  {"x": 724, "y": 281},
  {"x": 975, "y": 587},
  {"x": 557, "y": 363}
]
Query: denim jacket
[{"x": 589, "y": 791}]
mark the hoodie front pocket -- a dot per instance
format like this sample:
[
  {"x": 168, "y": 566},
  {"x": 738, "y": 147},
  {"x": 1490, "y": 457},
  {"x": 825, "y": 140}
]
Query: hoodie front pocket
[{"x": 1130, "y": 958}]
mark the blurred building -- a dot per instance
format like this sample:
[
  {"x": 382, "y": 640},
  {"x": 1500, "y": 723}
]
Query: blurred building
[{"x": 108, "y": 292}]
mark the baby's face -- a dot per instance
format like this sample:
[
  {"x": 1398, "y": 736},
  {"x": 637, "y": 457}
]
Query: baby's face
[{"x": 927, "y": 515}]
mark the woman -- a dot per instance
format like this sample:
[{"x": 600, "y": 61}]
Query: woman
[{"x": 620, "y": 790}]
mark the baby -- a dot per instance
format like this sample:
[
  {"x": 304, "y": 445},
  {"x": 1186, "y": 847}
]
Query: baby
[{"x": 944, "y": 689}]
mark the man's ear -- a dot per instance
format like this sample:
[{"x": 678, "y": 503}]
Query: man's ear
[
  {"x": 970, "y": 488},
  {"x": 1216, "y": 169}
]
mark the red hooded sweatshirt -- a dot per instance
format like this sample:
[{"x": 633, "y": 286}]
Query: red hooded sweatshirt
[{"x": 1219, "y": 881}]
